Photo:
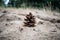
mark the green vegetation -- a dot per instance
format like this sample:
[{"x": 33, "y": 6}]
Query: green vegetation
[{"x": 34, "y": 3}]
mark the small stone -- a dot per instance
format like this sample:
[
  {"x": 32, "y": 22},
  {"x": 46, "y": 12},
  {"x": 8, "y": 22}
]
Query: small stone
[
  {"x": 0, "y": 31},
  {"x": 40, "y": 22},
  {"x": 53, "y": 21},
  {"x": 21, "y": 29},
  {"x": 6, "y": 24},
  {"x": 4, "y": 11},
  {"x": 33, "y": 29},
  {"x": 54, "y": 31},
  {"x": 19, "y": 18},
  {"x": 58, "y": 21},
  {"x": 8, "y": 19}
]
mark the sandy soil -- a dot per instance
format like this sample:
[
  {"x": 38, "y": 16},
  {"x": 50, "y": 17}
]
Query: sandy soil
[{"x": 11, "y": 24}]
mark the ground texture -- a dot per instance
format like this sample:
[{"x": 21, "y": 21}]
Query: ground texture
[{"x": 11, "y": 24}]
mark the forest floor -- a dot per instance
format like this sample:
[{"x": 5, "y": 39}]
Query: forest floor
[{"x": 11, "y": 24}]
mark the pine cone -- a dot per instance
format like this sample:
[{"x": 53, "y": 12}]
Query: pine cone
[{"x": 30, "y": 20}]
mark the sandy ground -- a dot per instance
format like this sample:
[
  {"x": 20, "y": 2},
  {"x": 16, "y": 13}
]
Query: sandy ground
[{"x": 11, "y": 25}]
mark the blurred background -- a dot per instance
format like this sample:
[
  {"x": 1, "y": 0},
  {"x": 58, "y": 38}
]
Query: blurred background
[{"x": 53, "y": 4}]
